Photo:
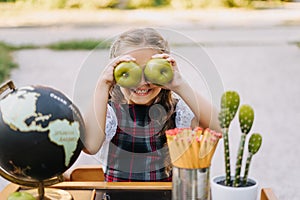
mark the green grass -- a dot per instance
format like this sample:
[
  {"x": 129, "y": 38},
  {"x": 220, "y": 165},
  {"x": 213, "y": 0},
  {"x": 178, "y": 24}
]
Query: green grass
[
  {"x": 11, "y": 47},
  {"x": 6, "y": 62},
  {"x": 297, "y": 43},
  {"x": 88, "y": 44}
]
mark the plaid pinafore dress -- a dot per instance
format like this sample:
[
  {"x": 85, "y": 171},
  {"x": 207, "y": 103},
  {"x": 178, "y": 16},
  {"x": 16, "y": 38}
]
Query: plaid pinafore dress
[{"x": 138, "y": 151}]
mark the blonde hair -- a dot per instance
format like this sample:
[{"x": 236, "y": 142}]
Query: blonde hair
[
  {"x": 139, "y": 38},
  {"x": 143, "y": 38}
]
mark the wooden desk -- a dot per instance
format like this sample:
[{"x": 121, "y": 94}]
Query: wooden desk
[{"x": 83, "y": 190}]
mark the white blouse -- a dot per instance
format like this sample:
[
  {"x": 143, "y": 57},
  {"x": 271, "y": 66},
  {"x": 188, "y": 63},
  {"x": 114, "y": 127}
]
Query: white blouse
[{"x": 183, "y": 119}]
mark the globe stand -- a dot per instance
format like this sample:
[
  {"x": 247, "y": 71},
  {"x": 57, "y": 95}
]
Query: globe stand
[
  {"x": 8, "y": 85},
  {"x": 41, "y": 193}
]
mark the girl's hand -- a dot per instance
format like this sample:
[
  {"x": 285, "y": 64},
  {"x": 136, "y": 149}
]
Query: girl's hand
[
  {"x": 107, "y": 76},
  {"x": 177, "y": 77}
]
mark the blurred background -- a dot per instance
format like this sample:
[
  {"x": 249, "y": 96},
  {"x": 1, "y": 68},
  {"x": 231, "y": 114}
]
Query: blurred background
[
  {"x": 136, "y": 4},
  {"x": 252, "y": 47}
]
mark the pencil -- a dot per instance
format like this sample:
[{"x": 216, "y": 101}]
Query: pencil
[{"x": 93, "y": 194}]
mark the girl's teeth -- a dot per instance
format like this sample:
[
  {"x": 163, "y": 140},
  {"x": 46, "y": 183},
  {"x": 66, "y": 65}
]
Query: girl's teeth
[{"x": 141, "y": 91}]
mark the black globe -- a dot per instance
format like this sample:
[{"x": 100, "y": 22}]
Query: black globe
[{"x": 40, "y": 133}]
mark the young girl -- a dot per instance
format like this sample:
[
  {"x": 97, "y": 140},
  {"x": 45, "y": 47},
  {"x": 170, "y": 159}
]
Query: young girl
[{"x": 130, "y": 124}]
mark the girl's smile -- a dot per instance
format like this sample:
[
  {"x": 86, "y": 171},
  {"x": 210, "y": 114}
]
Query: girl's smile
[
  {"x": 143, "y": 95},
  {"x": 141, "y": 91}
]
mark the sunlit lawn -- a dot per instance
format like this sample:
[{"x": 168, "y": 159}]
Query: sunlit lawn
[
  {"x": 6, "y": 62},
  {"x": 30, "y": 15}
]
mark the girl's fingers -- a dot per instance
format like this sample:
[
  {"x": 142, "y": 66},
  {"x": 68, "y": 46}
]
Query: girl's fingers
[
  {"x": 161, "y": 55},
  {"x": 171, "y": 60},
  {"x": 125, "y": 58},
  {"x": 167, "y": 57}
]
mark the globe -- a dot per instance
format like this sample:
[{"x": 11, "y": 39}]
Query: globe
[{"x": 40, "y": 133}]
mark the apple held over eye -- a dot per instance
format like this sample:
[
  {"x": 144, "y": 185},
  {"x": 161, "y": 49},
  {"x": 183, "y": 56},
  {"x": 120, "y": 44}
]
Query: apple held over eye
[
  {"x": 128, "y": 74},
  {"x": 158, "y": 71},
  {"x": 20, "y": 196}
]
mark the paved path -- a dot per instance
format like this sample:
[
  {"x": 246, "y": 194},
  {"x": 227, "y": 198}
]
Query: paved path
[{"x": 255, "y": 56}]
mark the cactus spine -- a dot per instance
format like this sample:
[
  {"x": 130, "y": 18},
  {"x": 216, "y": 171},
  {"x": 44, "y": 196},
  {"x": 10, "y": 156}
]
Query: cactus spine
[
  {"x": 246, "y": 118},
  {"x": 230, "y": 101},
  {"x": 253, "y": 147}
]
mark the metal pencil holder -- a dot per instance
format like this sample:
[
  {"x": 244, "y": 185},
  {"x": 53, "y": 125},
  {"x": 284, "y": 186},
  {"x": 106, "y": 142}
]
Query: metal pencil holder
[{"x": 190, "y": 184}]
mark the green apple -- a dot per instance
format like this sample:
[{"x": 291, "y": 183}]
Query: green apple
[
  {"x": 20, "y": 196},
  {"x": 158, "y": 71},
  {"x": 128, "y": 74}
]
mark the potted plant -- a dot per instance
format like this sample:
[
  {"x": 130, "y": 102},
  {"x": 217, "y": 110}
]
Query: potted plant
[{"x": 237, "y": 186}]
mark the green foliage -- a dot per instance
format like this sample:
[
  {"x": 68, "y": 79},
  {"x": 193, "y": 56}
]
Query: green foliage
[
  {"x": 11, "y": 47},
  {"x": 190, "y": 4},
  {"x": 94, "y": 4},
  {"x": 6, "y": 62},
  {"x": 161, "y": 2},
  {"x": 50, "y": 4},
  {"x": 136, "y": 4},
  {"x": 230, "y": 3},
  {"x": 89, "y": 44}
]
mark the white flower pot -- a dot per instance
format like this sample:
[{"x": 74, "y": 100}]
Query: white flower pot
[{"x": 222, "y": 192}]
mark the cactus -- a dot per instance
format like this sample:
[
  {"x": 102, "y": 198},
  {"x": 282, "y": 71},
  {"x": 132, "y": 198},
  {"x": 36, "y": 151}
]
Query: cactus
[
  {"x": 246, "y": 117},
  {"x": 229, "y": 105},
  {"x": 253, "y": 147},
  {"x": 230, "y": 101}
]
